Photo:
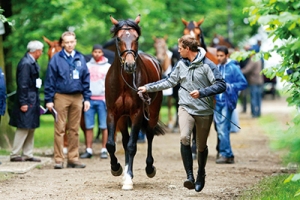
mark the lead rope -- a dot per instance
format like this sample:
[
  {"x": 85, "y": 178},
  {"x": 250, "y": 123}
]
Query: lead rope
[{"x": 144, "y": 97}]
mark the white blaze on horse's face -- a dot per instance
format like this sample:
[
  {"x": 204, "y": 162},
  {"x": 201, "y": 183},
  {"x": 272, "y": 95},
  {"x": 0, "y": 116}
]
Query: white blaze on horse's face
[
  {"x": 128, "y": 46},
  {"x": 192, "y": 33}
]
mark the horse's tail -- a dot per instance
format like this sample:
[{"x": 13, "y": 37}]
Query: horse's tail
[{"x": 159, "y": 129}]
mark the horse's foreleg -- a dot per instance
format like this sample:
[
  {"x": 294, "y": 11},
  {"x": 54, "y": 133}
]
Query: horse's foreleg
[
  {"x": 116, "y": 168},
  {"x": 150, "y": 169},
  {"x": 131, "y": 151}
]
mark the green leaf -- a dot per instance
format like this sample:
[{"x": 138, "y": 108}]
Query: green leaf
[
  {"x": 297, "y": 193},
  {"x": 288, "y": 179}
]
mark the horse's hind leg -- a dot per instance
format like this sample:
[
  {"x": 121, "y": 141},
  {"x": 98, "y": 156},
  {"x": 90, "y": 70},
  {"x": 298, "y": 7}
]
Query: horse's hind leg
[{"x": 150, "y": 169}]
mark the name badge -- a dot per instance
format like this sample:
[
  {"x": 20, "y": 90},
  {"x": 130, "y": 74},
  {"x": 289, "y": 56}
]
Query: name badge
[
  {"x": 38, "y": 83},
  {"x": 75, "y": 74}
]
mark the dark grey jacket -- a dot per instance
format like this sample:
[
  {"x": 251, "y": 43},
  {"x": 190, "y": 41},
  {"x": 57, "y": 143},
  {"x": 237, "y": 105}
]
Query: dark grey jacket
[
  {"x": 27, "y": 94},
  {"x": 195, "y": 75}
]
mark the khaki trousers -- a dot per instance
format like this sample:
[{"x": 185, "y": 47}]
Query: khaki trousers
[
  {"x": 69, "y": 110},
  {"x": 24, "y": 140},
  {"x": 186, "y": 123}
]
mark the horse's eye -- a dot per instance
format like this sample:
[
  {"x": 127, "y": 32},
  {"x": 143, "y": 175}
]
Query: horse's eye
[{"x": 118, "y": 39}]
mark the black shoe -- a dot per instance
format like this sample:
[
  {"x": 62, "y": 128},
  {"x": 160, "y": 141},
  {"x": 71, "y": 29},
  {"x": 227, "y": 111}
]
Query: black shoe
[
  {"x": 58, "y": 165},
  {"x": 75, "y": 165},
  {"x": 224, "y": 160},
  {"x": 17, "y": 159},
  {"x": 86, "y": 155}
]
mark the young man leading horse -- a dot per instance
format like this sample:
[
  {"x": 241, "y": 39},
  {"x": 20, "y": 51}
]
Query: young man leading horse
[{"x": 199, "y": 83}]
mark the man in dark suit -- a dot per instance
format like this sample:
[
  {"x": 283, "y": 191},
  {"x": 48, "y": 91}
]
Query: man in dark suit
[{"x": 26, "y": 111}]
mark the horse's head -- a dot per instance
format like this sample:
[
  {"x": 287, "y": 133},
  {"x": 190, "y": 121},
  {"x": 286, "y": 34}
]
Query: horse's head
[
  {"x": 219, "y": 40},
  {"x": 193, "y": 28},
  {"x": 127, "y": 33},
  {"x": 54, "y": 46}
]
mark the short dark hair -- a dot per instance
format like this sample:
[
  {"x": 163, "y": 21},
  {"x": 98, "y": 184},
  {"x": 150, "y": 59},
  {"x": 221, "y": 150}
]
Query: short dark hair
[{"x": 223, "y": 49}]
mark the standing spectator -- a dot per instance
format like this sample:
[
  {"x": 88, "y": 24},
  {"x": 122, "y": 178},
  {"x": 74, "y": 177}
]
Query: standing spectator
[
  {"x": 256, "y": 80},
  {"x": 198, "y": 83},
  {"x": 66, "y": 87},
  {"x": 26, "y": 109},
  {"x": 226, "y": 103},
  {"x": 98, "y": 67}
]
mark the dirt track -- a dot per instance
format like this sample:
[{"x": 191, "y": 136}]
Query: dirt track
[{"x": 253, "y": 160}]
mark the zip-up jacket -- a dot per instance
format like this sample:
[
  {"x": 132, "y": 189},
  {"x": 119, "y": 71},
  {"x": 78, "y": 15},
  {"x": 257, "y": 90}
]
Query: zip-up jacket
[
  {"x": 235, "y": 82},
  {"x": 193, "y": 75},
  {"x": 59, "y": 78}
]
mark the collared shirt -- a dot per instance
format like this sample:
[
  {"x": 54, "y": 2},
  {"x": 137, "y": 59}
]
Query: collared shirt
[
  {"x": 31, "y": 57},
  {"x": 72, "y": 54}
]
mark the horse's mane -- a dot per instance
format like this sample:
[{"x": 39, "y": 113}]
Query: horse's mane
[
  {"x": 202, "y": 42},
  {"x": 127, "y": 22}
]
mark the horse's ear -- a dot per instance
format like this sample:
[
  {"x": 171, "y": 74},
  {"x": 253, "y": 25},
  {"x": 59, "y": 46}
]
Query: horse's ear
[
  {"x": 47, "y": 40},
  {"x": 138, "y": 19},
  {"x": 154, "y": 38},
  {"x": 113, "y": 20},
  {"x": 200, "y": 21},
  {"x": 165, "y": 37},
  {"x": 184, "y": 22}
]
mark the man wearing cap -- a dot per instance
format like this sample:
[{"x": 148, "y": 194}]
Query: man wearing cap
[
  {"x": 98, "y": 67},
  {"x": 26, "y": 111},
  {"x": 67, "y": 91}
]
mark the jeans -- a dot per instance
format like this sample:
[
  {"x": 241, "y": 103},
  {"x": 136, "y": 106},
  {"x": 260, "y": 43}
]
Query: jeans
[
  {"x": 97, "y": 107},
  {"x": 256, "y": 95},
  {"x": 223, "y": 129}
]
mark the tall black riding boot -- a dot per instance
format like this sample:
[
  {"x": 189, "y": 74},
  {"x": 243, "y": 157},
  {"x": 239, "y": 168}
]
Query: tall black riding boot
[
  {"x": 186, "y": 155},
  {"x": 200, "y": 181}
]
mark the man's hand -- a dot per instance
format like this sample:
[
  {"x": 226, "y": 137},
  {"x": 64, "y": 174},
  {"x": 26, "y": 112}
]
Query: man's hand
[
  {"x": 50, "y": 106},
  {"x": 86, "y": 105},
  {"x": 195, "y": 94},
  {"x": 142, "y": 89},
  {"x": 24, "y": 108}
]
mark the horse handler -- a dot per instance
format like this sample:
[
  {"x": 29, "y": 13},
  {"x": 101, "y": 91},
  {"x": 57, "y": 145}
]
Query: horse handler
[{"x": 199, "y": 82}]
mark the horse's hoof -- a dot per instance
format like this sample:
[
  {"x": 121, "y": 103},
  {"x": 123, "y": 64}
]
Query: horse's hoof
[
  {"x": 151, "y": 172},
  {"x": 118, "y": 171},
  {"x": 127, "y": 183}
]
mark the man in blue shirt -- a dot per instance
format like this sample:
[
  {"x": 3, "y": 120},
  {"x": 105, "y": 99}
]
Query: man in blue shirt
[
  {"x": 66, "y": 87},
  {"x": 226, "y": 103}
]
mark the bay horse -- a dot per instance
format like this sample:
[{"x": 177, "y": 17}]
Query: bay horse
[
  {"x": 193, "y": 28},
  {"x": 125, "y": 107},
  {"x": 164, "y": 55}
]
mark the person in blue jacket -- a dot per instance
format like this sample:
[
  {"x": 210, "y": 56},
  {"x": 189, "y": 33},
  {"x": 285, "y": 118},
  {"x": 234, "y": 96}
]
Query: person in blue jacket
[
  {"x": 67, "y": 90},
  {"x": 226, "y": 103}
]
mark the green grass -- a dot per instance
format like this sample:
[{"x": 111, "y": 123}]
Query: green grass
[
  {"x": 273, "y": 187},
  {"x": 4, "y": 152},
  {"x": 44, "y": 135}
]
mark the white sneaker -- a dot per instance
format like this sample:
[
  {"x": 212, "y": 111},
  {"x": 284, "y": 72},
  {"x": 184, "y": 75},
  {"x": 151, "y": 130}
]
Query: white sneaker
[{"x": 104, "y": 155}]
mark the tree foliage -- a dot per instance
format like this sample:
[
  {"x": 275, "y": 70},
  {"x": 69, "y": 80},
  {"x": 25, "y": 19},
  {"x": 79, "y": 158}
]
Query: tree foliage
[{"x": 281, "y": 18}]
